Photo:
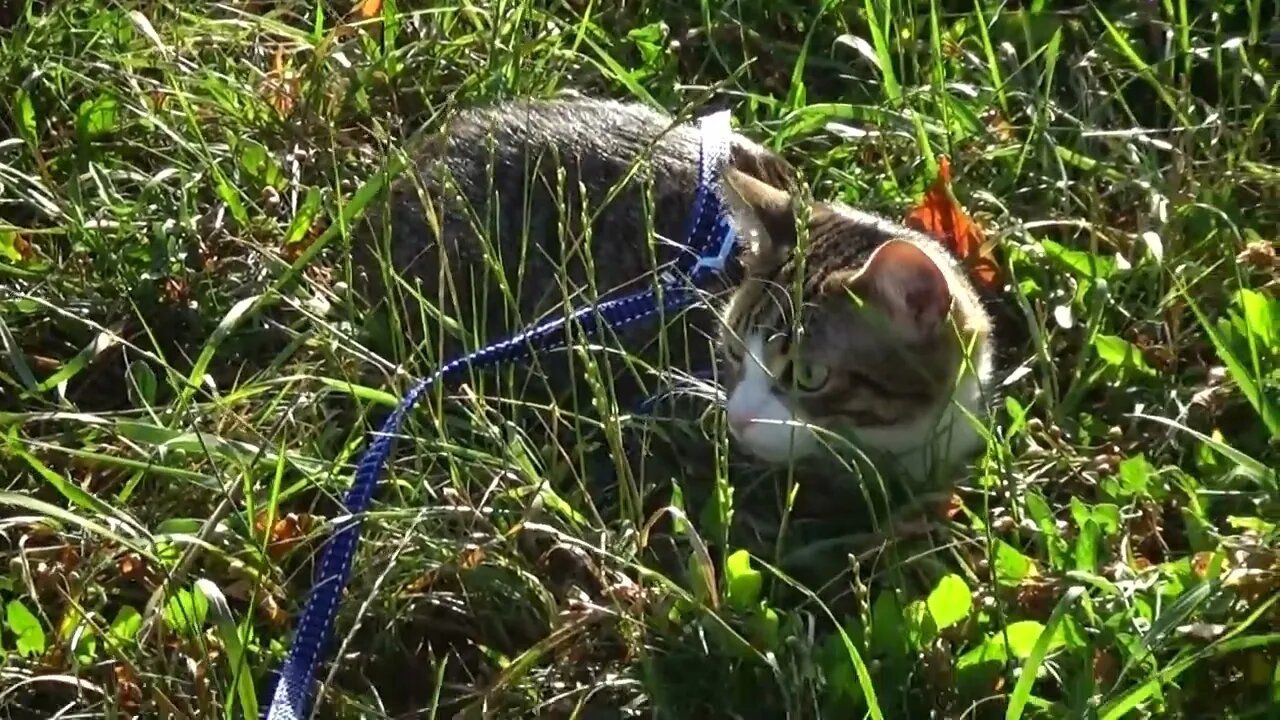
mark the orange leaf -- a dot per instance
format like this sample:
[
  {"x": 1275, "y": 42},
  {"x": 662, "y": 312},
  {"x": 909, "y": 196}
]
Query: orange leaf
[
  {"x": 1105, "y": 667},
  {"x": 23, "y": 248},
  {"x": 939, "y": 215},
  {"x": 132, "y": 566},
  {"x": 280, "y": 87},
  {"x": 471, "y": 557},
  {"x": 955, "y": 504},
  {"x": 357, "y": 20},
  {"x": 176, "y": 289},
  {"x": 128, "y": 694},
  {"x": 285, "y": 533},
  {"x": 272, "y": 611}
]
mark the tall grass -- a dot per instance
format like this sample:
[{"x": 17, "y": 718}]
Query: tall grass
[{"x": 187, "y": 374}]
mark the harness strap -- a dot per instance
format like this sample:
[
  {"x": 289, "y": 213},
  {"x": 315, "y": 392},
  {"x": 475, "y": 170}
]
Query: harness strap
[{"x": 710, "y": 238}]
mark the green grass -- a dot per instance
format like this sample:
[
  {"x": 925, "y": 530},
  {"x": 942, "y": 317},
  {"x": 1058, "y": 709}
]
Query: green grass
[{"x": 184, "y": 367}]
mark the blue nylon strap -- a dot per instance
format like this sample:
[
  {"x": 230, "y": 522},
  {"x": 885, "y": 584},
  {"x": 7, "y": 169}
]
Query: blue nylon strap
[{"x": 710, "y": 238}]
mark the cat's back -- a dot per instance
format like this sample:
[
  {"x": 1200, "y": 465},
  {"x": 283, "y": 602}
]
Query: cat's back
[
  {"x": 596, "y": 130},
  {"x": 558, "y": 195}
]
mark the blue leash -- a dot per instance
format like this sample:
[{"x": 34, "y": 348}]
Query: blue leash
[{"x": 710, "y": 239}]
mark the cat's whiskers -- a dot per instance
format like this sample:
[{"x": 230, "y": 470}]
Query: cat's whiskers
[{"x": 883, "y": 300}]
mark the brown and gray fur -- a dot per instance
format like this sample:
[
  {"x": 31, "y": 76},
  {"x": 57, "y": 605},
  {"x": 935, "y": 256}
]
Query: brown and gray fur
[
  {"x": 545, "y": 183},
  {"x": 856, "y": 312}
]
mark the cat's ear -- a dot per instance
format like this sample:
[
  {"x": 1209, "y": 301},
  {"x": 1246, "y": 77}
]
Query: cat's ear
[
  {"x": 905, "y": 283},
  {"x": 763, "y": 164},
  {"x": 763, "y": 216}
]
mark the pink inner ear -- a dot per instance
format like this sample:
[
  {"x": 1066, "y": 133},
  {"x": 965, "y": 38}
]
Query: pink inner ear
[
  {"x": 912, "y": 286},
  {"x": 926, "y": 304}
]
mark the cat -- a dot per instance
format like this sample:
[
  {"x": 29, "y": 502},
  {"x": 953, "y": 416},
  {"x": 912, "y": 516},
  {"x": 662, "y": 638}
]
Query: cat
[
  {"x": 566, "y": 198},
  {"x": 891, "y": 345}
]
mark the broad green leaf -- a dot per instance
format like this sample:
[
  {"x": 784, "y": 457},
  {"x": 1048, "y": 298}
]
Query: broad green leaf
[
  {"x": 9, "y": 249},
  {"x": 178, "y": 526},
  {"x": 950, "y": 602},
  {"x": 1115, "y": 350},
  {"x": 231, "y": 196},
  {"x": 97, "y": 116},
  {"x": 762, "y": 628},
  {"x": 26, "y": 627},
  {"x": 257, "y": 163},
  {"x": 186, "y": 612},
  {"x": 80, "y": 635},
  {"x": 1022, "y": 636},
  {"x": 304, "y": 218},
  {"x": 142, "y": 383},
  {"x": 127, "y": 624},
  {"x": 919, "y": 624},
  {"x": 717, "y": 515},
  {"x": 1011, "y": 566},
  {"x": 991, "y": 650},
  {"x": 1105, "y": 515},
  {"x": 742, "y": 582},
  {"x": 1135, "y": 475},
  {"x": 25, "y": 116},
  {"x": 1086, "y": 546},
  {"x": 1047, "y": 640},
  {"x": 1083, "y": 264},
  {"x": 1261, "y": 316},
  {"x": 1055, "y": 545},
  {"x": 888, "y": 629}
]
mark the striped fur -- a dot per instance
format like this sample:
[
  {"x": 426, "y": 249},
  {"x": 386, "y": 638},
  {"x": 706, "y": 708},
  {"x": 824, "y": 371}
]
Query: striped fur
[{"x": 856, "y": 329}]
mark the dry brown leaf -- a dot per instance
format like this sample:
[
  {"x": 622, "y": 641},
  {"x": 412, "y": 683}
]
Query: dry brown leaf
[
  {"x": 280, "y": 87},
  {"x": 132, "y": 566},
  {"x": 953, "y": 506},
  {"x": 1257, "y": 255},
  {"x": 940, "y": 215},
  {"x": 286, "y": 532},
  {"x": 128, "y": 692},
  {"x": 294, "y": 250},
  {"x": 999, "y": 126},
  {"x": 23, "y": 247},
  {"x": 69, "y": 558},
  {"x": 420, "y": 584},
  {"x": 176, "y": 290},
  {"x": 1200, "y": 563},
  {"x": 471, "y": 557},
  {"x": 271, "y": 609},
  {"x": 1105, "y": 667}
]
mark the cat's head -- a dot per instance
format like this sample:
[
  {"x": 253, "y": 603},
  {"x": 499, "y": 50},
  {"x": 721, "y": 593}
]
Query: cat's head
[{"x": 871, "y": 328}]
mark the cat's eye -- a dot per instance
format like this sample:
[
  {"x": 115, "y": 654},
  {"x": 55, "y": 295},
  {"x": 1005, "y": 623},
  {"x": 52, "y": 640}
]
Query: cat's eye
[{"x": 810, "y": 377}]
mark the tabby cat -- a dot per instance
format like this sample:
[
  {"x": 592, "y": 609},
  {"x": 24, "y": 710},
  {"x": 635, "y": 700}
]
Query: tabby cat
[{"x": 519, "y": 209}]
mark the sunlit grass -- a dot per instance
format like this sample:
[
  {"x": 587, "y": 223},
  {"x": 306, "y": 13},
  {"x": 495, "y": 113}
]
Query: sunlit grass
[{"x": 188, "y": 377}]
